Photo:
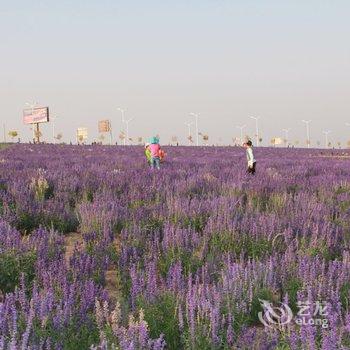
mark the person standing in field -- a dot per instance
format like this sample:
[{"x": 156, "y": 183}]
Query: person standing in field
[
  {"x": 250, "y": 157},
  {"x": 148, "y": 154},
  {"x": 155, "y": 149}
]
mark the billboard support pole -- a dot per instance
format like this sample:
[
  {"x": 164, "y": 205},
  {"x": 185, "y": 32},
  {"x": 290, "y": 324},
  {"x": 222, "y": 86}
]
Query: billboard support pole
[{"x": 37, "y": 132}]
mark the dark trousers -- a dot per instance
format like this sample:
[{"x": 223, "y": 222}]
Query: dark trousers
[{"x": 251, "y": 170}]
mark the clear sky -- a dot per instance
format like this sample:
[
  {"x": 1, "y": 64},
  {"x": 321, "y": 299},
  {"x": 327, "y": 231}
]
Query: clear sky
[{"x": 226, "y": 59}]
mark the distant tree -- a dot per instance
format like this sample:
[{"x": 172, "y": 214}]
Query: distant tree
[{"x": 13, "y": 134}]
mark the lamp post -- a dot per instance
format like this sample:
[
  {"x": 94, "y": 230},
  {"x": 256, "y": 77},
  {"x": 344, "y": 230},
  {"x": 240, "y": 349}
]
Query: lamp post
[
  {"x": 286, "y": 132},
  {"x": 127, "y": 128},
  {"x": 196, "y": 115},
  {"x": 53, "y": 128},
  {"x": 241, "y": 128},
  {"x": 326, "y": 132},
  {"x": 122, "y": 111},
  {"x": 189, "y": 132},
  {"x": 256, "y": 129},
  {"x": 307, "y": 122}
]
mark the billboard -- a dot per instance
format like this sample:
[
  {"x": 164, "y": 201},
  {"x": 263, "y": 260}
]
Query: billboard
[
  {"x": 104, "y": 126},
  {"x": 82, "y": 134},
  {"x": 277, "y": 141},
  {"x": 36, "y": 115}
]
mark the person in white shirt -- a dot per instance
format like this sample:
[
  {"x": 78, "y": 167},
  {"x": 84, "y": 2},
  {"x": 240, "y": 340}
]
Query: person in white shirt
[{"x": 250, "y": 157}]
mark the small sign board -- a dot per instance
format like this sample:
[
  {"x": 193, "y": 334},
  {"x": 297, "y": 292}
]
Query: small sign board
[
  {"x": 104, "y": 126},
  {"x": 277, "y": 141}
]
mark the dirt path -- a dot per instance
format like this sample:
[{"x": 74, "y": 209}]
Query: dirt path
[
  {"x": 71, "y": 241},
  {"x": 75, "y": 239},
  {"x": 113, "y": 286}
]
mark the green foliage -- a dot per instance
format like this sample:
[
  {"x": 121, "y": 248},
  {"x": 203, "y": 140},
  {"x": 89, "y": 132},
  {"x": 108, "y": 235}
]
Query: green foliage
[
  {"x": 152, "y": 224},
  {"x": 12, "y": 265},
  {"x": 88, "y": 196},
  {"x": 3, "y": 146},
  {"x": 266, "y": 202},
  {"x": 293, "y": 189},
  {"x": 229, "y": 242},
  {"x": 342, "y": 189},
  {"x": 264, "y": 294},
  {"x": 201, "y": 339},
  {"x": 345, "y": 295},
  {"x": 27, "y": 222},
  {"x": 189, "y": 261},
  {"x": 292, "y": 286},
  {"x": 161, "y": 317},
  {"x": 74, "y": 336},
  {"x": 320, "y": 249},
  {"x": 195, "y": 222}
]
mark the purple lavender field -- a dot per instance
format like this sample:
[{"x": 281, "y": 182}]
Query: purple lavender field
[{"x": 99, "y": 252}]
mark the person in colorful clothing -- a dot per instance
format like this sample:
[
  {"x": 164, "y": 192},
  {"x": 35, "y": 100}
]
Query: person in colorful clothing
[
  {"x": 148, "y": 153},
  {"x": 155, "y": 153}
]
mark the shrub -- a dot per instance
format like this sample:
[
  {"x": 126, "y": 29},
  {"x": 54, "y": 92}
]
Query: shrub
[
  {"x": 12, "y": 265},
  {"x": 161, "y": 317}
]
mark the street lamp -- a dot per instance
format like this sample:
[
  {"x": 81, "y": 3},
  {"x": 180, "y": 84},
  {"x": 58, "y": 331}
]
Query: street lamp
[
  {"x": 189, "y": 132},
  {"x": 286, "y": 131},
  {"x": 256, "y": 129},
  {"x": 53, "y": 128},
  {"x": 307, "y": 122},
  {"x": 196, "y": 115},
  {"x": 127, "y": 128},
  {"x": 326, "y": 132},
  {"x": 122, "y": 111},
  {"x": 241, "y": 128}
]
